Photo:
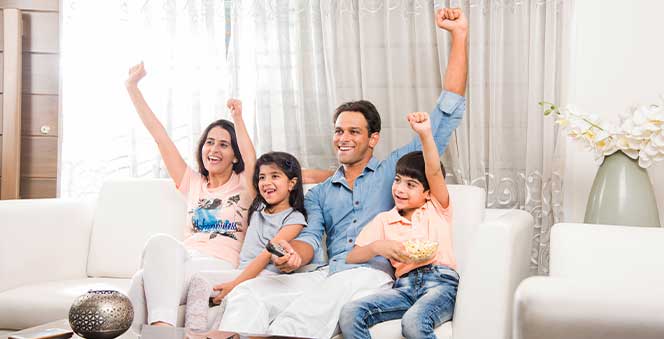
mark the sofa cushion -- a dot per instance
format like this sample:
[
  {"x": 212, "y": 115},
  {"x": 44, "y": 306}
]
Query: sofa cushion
[
  {"x": 128, "y": 212},
  {"x": 42, "y": 240},
  {"x": 36, "y": 304},
  {"x": 468, "y": 212}
]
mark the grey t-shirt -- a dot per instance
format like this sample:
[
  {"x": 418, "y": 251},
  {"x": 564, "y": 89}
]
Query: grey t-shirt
[{"x": 263, "y": 227}]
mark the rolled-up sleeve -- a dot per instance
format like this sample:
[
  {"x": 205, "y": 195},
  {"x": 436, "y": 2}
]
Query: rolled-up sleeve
[
  {"x": 445, "y": 118},
  {"x": 313, "y": 233}
]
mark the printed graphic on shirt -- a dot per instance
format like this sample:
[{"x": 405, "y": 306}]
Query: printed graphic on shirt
[{"x": 206, "y": 218}]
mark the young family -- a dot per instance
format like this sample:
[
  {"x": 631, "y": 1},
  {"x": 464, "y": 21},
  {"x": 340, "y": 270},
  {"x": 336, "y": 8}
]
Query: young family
[{"x": 364, "y": 212}]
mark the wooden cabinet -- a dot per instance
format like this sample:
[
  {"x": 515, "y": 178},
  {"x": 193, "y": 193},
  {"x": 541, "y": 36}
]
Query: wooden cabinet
[{"x": 39, "y": 98}]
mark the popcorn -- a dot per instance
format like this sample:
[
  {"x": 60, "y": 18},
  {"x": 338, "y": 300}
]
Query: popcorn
[{"x": 421, "y": 250}]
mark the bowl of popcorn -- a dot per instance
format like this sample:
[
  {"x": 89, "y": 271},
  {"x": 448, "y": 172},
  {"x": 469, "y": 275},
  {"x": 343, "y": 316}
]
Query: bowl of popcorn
[{"x": 420, "y": 250}]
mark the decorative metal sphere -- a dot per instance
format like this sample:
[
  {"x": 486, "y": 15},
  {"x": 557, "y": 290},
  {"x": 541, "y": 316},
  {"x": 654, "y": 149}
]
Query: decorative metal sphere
[{"x": 101, "y": 314}]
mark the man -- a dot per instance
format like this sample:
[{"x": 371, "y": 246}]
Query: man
[{"x": 308, "y": 304}]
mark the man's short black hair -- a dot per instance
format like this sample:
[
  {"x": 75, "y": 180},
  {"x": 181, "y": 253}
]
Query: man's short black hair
[
  {"x": 412, "y": 165},
  {"x": 367, "y": 109}
]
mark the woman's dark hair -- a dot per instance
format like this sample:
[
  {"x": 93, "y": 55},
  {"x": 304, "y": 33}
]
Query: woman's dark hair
[
  {"x": 366, "y": 108},
  {"x": 412, "y": 165},
  {"x": 291, "y": 167},
  {"x": 238, "y": 167}
]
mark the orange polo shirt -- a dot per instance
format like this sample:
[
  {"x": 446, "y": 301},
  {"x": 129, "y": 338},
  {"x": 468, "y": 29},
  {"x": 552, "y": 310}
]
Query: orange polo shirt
[{"x": 429, "y": 222}]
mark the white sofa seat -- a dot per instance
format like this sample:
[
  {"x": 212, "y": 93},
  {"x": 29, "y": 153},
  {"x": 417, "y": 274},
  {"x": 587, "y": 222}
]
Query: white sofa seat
[
  {"x": 55, "y": 249},
  {"x": 605, "y": 282},
  {"x": 62, "y": 247},
  {"x": 52, "y": 299}
]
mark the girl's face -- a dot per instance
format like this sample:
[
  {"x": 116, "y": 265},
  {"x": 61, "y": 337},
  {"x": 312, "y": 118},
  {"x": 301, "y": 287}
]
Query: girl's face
[
  {"x": 274, "y": 185},
  {"x": 217, "y": 153},
  {"x": 408, "y": 194}
]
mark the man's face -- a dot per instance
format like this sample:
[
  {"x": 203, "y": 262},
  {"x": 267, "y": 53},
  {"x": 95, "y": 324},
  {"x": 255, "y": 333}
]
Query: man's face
[{"x": 352, "y": 141}]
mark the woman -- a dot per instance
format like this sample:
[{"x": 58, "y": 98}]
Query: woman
[{"x": 218, "y": 197}]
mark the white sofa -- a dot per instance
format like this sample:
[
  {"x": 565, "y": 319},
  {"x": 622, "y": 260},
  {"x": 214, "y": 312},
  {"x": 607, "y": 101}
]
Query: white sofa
[
  {"x": 53, "y": 250},
  {"x": 605, "y": 282}
]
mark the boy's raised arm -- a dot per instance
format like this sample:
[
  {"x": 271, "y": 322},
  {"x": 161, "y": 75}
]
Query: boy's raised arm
[{"x": 419, "y": 122}]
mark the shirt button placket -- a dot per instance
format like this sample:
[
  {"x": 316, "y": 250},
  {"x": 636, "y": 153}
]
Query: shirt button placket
[{"x": 354, "y": 224}]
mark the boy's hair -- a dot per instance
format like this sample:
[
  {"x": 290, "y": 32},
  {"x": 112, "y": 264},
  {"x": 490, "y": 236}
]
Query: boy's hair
[
  {"x": 412, "y": 165},
  {"x": 238, "y": 167},
  {"x": 366, "y": 108},
  {"x": 291, "y": 167}
]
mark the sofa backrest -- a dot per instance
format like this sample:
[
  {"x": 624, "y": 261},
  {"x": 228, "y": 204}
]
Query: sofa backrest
[
  {"x": 468, "y": 212},
  {"x": 43, "y": 240},
  {"x": 128, "y": 212},
  {"x": 607, "y": 253}
]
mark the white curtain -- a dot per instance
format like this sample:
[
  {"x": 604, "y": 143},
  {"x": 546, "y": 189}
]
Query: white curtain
[
  {"x": 519, "y": 55},
  {"x": 183, "y": 45},
  {"x": 280, "y": 73},
  {"x": 303, "y": 58},
  {"x": 293, "y": 62},
  {"x": 296, "y": 61}
]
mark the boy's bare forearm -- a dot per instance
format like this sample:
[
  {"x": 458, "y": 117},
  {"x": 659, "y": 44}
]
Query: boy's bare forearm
[
  {"x": 360, "y": 254},
  {"x": 431, "y": 155}
]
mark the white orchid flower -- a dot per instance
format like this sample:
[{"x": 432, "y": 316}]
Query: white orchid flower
[
  {"x": 650, "y": 150},
  {"x": 639, "y": 133},
  {"x": 632, "y": 153},
  {"x": 657, "y": 139},
  {"x": 644, "y": 160}
]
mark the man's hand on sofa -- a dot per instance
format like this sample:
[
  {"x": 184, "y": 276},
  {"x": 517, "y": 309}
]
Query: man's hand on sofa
[{"x": 289, "y": 262}]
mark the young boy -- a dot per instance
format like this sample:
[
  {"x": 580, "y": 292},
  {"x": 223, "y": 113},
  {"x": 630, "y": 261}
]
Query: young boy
[{"x": 425, "y": 292}]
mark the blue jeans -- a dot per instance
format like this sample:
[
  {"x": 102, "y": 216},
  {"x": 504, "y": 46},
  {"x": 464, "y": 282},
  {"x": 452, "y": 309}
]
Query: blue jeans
[{"x": 424, "y": 298}]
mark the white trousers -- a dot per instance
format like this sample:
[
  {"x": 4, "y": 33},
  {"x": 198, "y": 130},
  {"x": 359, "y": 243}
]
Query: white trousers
[
  {"x": 199, "y": 293},
  {"x": 160, "y": 287},
  {"x": 299, "y": 304}
]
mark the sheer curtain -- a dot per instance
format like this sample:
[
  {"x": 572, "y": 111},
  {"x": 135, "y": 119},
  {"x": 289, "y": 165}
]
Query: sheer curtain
[
  {"x": 183, "y": 45},
  {"x": 293, "y": 62},
  {"x": 296, "y": 61},
  {"x": 519, "y": 55},
  {"x": 281, "y": 74},
  {"x": 302, "y": 58}
]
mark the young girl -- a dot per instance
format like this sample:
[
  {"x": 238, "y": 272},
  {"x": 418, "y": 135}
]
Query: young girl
[
  {"x": 425, "y": 292},
  {"x": 277, "y": 213},
  {"x": 218, "y": 197}
]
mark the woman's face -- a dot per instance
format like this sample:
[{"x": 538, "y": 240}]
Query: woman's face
[{"x": 217, "y": 153}]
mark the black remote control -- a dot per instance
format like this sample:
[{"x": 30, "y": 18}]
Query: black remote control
[{"x": 275, "y": 249}]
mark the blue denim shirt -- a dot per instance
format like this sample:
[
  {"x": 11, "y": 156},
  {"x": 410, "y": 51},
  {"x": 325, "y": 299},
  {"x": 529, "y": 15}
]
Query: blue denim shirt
[{"x": 341, "y": 212}]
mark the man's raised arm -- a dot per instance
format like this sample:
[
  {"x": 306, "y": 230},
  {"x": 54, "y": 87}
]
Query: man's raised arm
[{"x": 454, "y": 21}]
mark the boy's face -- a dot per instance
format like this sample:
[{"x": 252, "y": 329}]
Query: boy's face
[{"x": 408, "y": 194}]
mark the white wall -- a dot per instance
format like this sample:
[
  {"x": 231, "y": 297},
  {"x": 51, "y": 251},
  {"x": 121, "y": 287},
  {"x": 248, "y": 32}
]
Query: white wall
[{"x": 618, "y": 62}]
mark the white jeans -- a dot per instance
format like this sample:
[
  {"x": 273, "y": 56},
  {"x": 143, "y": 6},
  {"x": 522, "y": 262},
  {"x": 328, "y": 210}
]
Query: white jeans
[
  {"x": 159, "y": 288},
  {"x": 300, "y": 304}
]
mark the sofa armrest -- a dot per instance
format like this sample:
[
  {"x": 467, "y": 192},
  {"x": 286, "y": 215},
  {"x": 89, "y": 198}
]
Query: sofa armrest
[
  {"x": 43, "y": 240},
  {"x": 551, "y": 307},
  {"x": 497, "y": 262},
  {"x": 594, "y": 252}
]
